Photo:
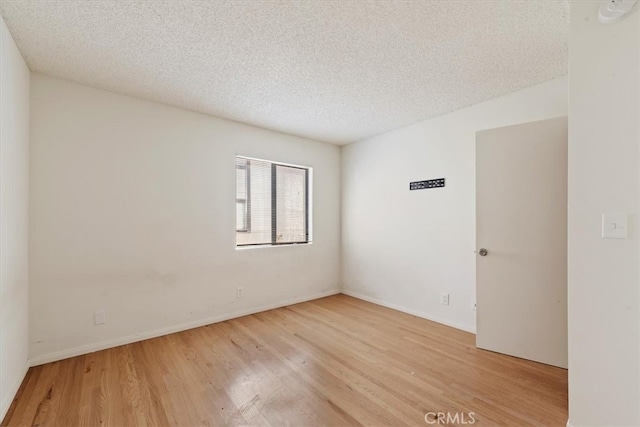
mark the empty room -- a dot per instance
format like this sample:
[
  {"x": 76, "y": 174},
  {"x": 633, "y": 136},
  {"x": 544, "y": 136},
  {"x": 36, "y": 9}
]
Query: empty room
[{"x": 319, "y": 213}]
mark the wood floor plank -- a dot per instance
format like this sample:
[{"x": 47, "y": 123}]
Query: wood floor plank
[{"x": 335, "y": 361}]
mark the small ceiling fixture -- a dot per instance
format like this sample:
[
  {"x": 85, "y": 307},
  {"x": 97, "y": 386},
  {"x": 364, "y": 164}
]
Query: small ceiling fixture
[{"x": 614, "y": 10}]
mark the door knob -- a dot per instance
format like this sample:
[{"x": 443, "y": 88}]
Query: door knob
[{"x": 483, "y": 252}]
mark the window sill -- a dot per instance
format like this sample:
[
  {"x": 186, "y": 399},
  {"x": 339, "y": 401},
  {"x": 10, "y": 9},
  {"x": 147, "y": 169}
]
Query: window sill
[{"x": 248, "y": 247}]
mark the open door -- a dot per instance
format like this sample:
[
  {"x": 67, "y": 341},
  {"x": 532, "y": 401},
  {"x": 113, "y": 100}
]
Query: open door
[{"x": 521, "y": 233}]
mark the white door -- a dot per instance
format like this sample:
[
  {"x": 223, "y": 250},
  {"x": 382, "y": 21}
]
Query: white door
[{"x": 521, "y": 222}]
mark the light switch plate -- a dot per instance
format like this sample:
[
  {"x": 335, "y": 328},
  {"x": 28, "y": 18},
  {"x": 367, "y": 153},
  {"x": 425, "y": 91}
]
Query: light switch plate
[{"x": 614, "y": 226}]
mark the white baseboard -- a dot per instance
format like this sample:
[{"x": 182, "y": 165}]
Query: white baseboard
[
  {"x": 90, "y": 348},
  {"x": 103, "y": 345},
  {"x": 569, "y": 423},
  {"x": 8, "y": 399},
  {"x": 409, "y": 311}
]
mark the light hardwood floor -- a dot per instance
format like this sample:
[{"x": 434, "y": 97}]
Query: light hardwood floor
[{"x": 332, "y": 361}]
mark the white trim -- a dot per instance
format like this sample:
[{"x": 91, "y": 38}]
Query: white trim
[
  {"x": 90, "y": 348},
  {"x": 412, "y": 312},
  {"x": 569, "y": 423},
  {"x": 6, "y": 404}
]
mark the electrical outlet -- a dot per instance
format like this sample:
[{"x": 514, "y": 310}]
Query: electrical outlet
[
  {"x": 99, "y": 317},
  {"x": 240, "y": 292},
  {"x": 444, "y": 299}
]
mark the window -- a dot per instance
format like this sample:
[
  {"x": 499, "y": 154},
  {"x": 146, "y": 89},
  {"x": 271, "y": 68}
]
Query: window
[
  {"x": 272, "y": 203},
  {"x": 243, "y": 214}
]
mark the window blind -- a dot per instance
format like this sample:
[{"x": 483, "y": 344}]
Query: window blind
[{"x": 271, "y": 203}]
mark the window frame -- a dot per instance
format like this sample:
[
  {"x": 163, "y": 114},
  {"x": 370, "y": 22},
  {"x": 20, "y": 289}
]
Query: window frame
[{"x": 307, "y": 203}]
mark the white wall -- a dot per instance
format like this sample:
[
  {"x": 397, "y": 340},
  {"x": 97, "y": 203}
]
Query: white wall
[
  {"x": 14, "y": 175},
  {"x": 403, "y": 248},
  {"x": 604, "y": 165},
  {"x": 133, "y": 212}
]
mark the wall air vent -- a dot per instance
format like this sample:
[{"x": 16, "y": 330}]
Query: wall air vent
[{"x": 431, "y": 183}]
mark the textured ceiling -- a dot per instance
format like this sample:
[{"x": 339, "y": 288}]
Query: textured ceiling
[{"x": 336, "y": 71}]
